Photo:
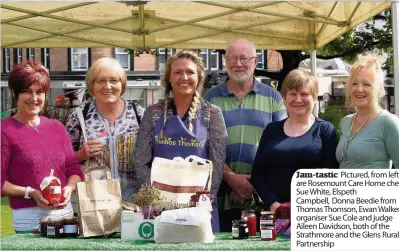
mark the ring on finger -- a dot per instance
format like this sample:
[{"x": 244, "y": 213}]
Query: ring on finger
[{"x": 91, "y": 150}]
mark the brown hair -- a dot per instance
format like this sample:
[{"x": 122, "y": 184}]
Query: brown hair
[
  {"x": 372, "y": 62},
  {"x": 26, "y": 74},
  {"x": 197, "y": 60},
  {"x": 297, "y": 79},
  {"x": 100, "y": 64}
]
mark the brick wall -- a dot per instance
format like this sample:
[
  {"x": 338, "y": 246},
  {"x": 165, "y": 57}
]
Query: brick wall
[
  {"x": 145, "y": 62},
  {"x": 59, "y": 59},
  {"x": 97, "y": 53},
  {"x": 275, "y": 61}
]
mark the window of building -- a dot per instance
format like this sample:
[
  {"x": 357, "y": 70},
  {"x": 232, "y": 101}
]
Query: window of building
[
  {"x": 46, "y": 57},
  {"x": 31, "y": 53},
  {"x": 205, "y": 58},
  {"x": 210, "y": 58},
  {"x": 214, "y": 60},
  {"x": 162, "y": 57},
  {"x": 261, "y": 59},
  {"x": 123, "y": 56},
  {"x": 6, "y": 59},
  {"x": 18, "y": 55},
  {"x": 79, "y": 59}
]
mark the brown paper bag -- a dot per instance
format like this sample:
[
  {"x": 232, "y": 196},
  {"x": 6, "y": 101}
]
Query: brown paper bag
[{"x": 99, "y": 209}]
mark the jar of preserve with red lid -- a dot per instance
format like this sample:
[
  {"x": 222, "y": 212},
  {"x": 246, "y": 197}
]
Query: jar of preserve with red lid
[
  {"x": 267, "y": 218},
  {"x": 54, "y": 228},
  {"x": 70, "y": 227}
]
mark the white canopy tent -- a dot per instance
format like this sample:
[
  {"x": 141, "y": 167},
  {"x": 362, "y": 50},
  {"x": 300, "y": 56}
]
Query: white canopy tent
[{"x": 144, "y": 25}]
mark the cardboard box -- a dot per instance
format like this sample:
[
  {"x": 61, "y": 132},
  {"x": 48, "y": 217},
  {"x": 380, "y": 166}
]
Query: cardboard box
[{"x": 134, "y": 227}]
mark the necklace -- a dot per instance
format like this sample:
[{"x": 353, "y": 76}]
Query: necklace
[
  {"x": 360, "y": 124},
  {"x": 35, "y": 128},
  {"x": 349, "y": 137}
]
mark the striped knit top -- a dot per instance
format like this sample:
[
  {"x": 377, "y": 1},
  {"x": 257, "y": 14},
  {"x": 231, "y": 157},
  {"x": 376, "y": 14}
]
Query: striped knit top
[{"x": 246, "y": 120}]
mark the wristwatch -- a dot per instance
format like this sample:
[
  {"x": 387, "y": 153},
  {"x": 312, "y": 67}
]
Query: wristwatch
[{"x": 27, "y": 190}]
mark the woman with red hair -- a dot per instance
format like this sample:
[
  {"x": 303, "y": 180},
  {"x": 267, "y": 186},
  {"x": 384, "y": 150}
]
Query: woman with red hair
[{"x": 31, "y": 146}]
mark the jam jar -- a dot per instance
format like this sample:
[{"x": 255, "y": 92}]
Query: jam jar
[
  {"x": 267, "y": 218},
  {"x": 239, "y": 229},
  {"x": 267, "y": 233},
  {"x": 43, "y": 226},
  {"x": 250, "y": 216},
  {"x": 54, "y": 228},
  {"x": 199, "y": 197},
  {"x": 70, "y": 227}
]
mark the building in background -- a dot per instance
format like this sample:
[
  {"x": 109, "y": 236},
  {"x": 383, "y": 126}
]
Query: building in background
[{"x": 68, "y": 67}]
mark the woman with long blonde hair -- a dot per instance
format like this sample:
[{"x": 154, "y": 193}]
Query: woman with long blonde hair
[
  {"x": 183, "y": 114},
  {"x": 371, "y": 129}
]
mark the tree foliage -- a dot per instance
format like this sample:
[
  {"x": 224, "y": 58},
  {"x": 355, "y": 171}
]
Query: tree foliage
[{"x": 374, "y": 35}]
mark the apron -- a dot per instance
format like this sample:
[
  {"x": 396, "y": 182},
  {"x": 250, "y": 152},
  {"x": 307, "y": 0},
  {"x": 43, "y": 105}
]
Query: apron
[{"x": 182, "y": 143}]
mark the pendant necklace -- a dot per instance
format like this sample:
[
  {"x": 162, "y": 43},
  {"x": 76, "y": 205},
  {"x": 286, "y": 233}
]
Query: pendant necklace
[
  {"x": 36, "y": 129},
  {"x": 349, "y": 137}
]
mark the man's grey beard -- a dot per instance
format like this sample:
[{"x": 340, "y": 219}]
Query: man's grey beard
[{"x": 240, "y": 80}]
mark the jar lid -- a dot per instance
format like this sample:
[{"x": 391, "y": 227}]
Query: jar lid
[
  {"x": 69, "y": 219},
  {"x": 44, "y": 219},
  {"x": 240, "y": 222},
  {"x": 55, "y": 220},
  {"x": 267, "y": 212}
]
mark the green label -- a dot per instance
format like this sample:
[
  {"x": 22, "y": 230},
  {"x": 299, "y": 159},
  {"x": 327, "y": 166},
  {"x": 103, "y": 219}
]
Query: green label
[{"x": 146, "y": 230}]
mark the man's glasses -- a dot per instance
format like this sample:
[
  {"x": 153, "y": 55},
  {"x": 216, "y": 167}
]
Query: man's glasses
[
  {"x": 105, "y": 81},
  {"x": 243, "y": 60}
]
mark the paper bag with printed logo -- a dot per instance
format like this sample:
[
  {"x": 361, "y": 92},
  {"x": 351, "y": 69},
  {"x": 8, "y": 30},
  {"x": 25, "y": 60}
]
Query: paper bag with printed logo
[
  {"x": 179, "y": 178},
  {"x": 99, "y": 209}
]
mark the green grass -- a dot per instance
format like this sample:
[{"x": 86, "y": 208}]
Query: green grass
[{"x": 6, "y": 220}]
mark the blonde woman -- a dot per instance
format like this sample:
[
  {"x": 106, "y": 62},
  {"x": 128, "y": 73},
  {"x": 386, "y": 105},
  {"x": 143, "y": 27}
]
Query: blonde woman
[
  {"x": 369, "y": 138},
  {"x": 301, "y": 141},
  {"x": 183, "y": 114},
  {"x": 111, "y": 123}
]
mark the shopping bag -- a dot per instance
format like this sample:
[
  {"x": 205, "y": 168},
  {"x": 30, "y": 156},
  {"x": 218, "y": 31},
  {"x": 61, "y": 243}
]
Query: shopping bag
[
  {"x": 183, "y": 226},
  {"x": 179, "y": 178},
  {"x": 99, "y": 209}
]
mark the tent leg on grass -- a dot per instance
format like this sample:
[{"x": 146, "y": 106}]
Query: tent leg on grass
[{"x": 395, "y": 40}]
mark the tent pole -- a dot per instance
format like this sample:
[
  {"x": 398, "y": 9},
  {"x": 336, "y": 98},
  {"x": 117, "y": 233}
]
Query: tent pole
[
  {"x": 395, "y": 39},
  {"x": 313, "y": 60}
]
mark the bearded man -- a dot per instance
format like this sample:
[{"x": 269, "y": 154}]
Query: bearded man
[{"x": 247, "y": 106}]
